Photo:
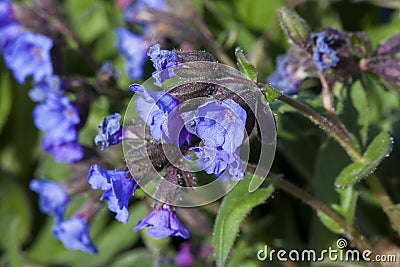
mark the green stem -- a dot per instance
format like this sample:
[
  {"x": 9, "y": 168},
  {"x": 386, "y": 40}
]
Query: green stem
[
  {"x": 351, "y": 234},
  {"x": 384, "y": 199}
]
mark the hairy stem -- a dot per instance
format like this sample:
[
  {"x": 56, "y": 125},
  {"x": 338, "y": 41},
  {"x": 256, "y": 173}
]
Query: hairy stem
[{"x": 385, "y": 201}]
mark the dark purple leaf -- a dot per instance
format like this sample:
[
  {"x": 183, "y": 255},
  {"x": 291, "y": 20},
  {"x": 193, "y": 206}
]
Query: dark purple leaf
[
  {"x": 389, "y": 47},
  {"x": 386, "y": 69}
]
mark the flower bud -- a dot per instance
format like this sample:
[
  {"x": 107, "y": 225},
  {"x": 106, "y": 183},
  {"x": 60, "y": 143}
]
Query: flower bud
[{"x": 295, "y": 28}]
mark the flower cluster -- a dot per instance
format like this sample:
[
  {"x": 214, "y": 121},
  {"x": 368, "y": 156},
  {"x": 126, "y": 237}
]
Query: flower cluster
[
  {"x": 28, "y": 54},
  {"x": 53, "y": 200},
  {"x": 324, "y": 55},
  {"x": 133, "y": 46}
]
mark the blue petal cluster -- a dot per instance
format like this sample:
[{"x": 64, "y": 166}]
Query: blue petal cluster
[
  {"x": 324, "y": 55},
  {"x": 110, "y": 131},
  {"x": 220, "y": 126},
  {"x": 163, "y": 223},
  {"x": 132, "y": 10},
  {"x": 133, "y": 48},
  {"x": 74, "y": 234},
  {"x": 117, "y": 189},
  {"x": 154, "y": 108},
  {"x": 6, "y": 12},
  {"x": 59, "y": 118},
  {"x": 53, "y": 198},
  {"x": 285, "y": 78},
  {"x": 164, "y": 62},
  {"x": 29, "y": 54},
  {"x": 48, "y": 87}
]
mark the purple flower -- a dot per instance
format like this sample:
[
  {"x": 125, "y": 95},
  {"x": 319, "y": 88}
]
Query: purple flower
[
  {"x": 324, "y": 55},
  {"x": 6, "y": 13},
  {"x": 8, "y": 33},
  {"x": 117, "y": 189},
  {"x": 221, "y": 128},
  {"x": 110, "y": 131},
  {"x": 154, "y": 108},
  {"x": 74, "y": 234},
  {"x": 28, "y": 55},
  {"x": 162, "y": 60},
  {"x": 133, "y": 47},
  {"x": 285, "y": 78},
  {"x": 163, "y": 223},
  {"x": 184, "y": 257},
  {"x": 58, "y": 118},
  {"x": 53, "y": 198},
  {"x": 50, "y": 86}
]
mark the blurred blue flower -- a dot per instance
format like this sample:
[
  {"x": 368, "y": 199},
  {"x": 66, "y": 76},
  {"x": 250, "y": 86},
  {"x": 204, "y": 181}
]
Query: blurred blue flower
[
  {"x": 133, "y": 48},
  {"x": 58, "y": 118},
  {"x": 284, "y": 78},
  {"x": 6, "y": 12},
  {"x": 117, "y": 189},
  {"x": 324, "y": 55},
  {"x": 131, "y": 10},
  {"x": 49, "y": 86},
  {"x": 8, "y": 33},
  {"x": 221, "y": 128},
  {"x": 28, "y": 55},
  {"x": 163, "y": 223},
  {"x": 110, "y": 131},
  {"x": 162, "y": 60},
  {"x": 74, "y": 234},
  {"x": 53, "y": 197},
  {"x": 154, "y": 108}
]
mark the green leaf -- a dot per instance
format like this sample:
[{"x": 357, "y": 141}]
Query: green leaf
[
  {"x": 254, "y": 14},
  {"x": 245, "y": 66},
  {"x": 380, "y": 148},
  {"x": 295, "y": 28},
  {"x": 329, "y": 223},
  {"x": 5, "y": 99},
  {"x": 270, "y": 94},
  {"x": 235, "y": 206},
  {"x": 360, "y": 103}
]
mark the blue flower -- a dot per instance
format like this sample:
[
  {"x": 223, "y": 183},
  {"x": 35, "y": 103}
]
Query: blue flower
[
  {"x": 324, "y": 55},
  {"x": 221, "y": 128},
  {"x": 163, "y": 223},
  {"x": 62, "y": 149},
  {"x": 53, "y": 198},
  {"x": 6, "y": 13},
  {"x": 110, "y": 131},
  {"x": 285, "y": 77},
  {"x": 162, "y": 60},
  {"x": 58, "y": 118},
  {"x": 74, "y": 234},
  {"x": 50, "y": 86},
  {"x": 117, "y": 189},
  {"x": 133, "y": 47},
  {"x": 154, "y": 108},
  {"x": 8, "y": 33},
  {"x": 28, "y": 55},
  {"x": 132, "y": 10}
]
